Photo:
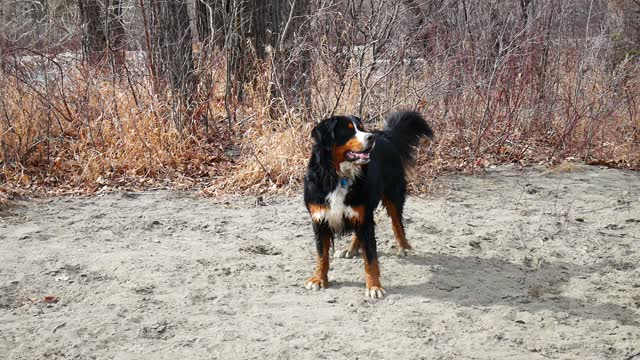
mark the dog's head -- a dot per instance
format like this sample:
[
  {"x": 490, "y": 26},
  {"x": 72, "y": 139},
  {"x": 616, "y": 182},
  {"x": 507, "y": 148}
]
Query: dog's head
[{"x": 345, "y": 138}]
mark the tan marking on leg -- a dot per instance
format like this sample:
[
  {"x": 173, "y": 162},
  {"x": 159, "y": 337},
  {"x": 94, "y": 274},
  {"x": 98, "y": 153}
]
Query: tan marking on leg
[
  {"x": 355, "y": 244},
  {"x": 398, "y": 230},
  {"x": 318, "y": 212},
  {"x": 372, "y": 279},
  {"x": 320, "y": 278},
  {"x": 372, "y": 273},
  {"x": 357, "y": 215}
]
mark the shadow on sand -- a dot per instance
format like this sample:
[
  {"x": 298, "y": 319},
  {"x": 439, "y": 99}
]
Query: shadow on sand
[{"x": 473, "y": 281}]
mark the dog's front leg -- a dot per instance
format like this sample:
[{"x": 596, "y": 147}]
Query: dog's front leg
[
  {"x": 366, "y": 235},
  {"x": 323, "y": 237}
]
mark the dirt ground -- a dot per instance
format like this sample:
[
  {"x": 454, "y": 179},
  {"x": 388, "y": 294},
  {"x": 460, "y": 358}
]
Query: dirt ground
[{"x": 513, "y": 264}]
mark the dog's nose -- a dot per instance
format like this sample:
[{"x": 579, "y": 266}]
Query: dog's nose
[{"x": 369, "y": 139}]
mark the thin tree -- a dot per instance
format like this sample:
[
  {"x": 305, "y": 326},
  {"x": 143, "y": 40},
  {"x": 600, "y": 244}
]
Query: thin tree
[
  {"x": 94, "y": 39},
  {"x": 102, "y": 29},
  {"x": 210, "y": 20},
  {"x": 173, "y": 54},
  {"x": 291, "y": 57}
]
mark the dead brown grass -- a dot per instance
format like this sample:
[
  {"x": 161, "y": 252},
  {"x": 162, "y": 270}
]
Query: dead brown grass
[
  {"x": 597, "y": 126},
  {"x": 108, "y": 138},
  {"x": 105, "y": 134}
]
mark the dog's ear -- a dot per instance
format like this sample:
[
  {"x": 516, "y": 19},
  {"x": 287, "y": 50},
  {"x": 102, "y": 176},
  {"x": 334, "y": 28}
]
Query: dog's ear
[{"x": 323, "y": 132}]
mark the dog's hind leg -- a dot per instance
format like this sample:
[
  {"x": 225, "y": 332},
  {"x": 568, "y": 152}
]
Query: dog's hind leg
[
  {"x": 350, "y": 251},
  {"x": 394, "y": 209},
  {"x": 320, "y": 278}
]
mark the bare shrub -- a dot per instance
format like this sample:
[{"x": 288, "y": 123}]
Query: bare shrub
[{"x": 231, "y": 109}]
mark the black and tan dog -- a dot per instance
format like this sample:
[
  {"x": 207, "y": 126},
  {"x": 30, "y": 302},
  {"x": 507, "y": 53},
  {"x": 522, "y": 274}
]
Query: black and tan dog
[{"x": 350, "y": 172}]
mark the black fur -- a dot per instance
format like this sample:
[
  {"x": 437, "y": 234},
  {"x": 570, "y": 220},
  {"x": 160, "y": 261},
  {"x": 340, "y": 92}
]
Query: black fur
[
  {"x": 404, "y": 130},
  {"x": 383, "y": 176}
]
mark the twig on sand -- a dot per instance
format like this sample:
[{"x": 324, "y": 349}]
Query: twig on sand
[{"x": 632, "y": 356}]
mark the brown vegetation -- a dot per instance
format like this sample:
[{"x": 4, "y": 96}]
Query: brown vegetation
[{"x": 533, "y": 83}]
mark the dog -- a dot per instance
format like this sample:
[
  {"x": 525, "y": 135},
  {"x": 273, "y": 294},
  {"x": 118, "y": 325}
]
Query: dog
[{"x": 350, "y": 172}]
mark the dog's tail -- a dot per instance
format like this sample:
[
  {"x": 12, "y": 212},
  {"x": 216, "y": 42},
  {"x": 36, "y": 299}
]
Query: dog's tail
[{"x": 404, "y": 130}]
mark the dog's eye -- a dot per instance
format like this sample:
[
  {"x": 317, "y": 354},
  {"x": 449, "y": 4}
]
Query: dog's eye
[{"x": 346, "y": 131}]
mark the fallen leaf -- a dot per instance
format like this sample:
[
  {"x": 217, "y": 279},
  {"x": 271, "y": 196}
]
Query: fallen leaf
[{"x": 50, "y": 299}]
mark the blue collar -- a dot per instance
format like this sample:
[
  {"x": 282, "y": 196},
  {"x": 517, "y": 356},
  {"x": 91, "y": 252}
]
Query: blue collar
[{"x": 344, "y": 182}]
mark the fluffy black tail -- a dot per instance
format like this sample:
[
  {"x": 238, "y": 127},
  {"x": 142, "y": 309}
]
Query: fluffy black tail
[{"x": 404, "y": 130}]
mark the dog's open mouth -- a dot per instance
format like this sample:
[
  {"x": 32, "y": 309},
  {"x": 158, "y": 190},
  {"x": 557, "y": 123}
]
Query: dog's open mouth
[{"x": 361, "y": 157}]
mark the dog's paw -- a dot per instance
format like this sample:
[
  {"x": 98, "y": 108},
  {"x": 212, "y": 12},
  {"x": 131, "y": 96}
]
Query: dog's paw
[
  {"x": 315, "y": 283},
  {"x": 346, "y": 253},
  {"x": 403, "y": 252},
  {"x": 374, "y": 292}
]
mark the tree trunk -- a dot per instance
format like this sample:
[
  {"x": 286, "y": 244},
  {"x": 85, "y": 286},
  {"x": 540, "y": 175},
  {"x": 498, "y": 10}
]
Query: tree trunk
[
  {"x": 623, "y": 25},
  {"x": 204, "y": 12},
  {"x": 173, "y": 55},
  {"x": 259, "y": 16},
  {"x": 210, "y": 17},
  {"x": 237, "y": 56},
  {"x": 248, "y": 21},
  {"x": 94, "y": 40},
  {"x": 103, "y": 29},
  {"x": 291, "y": 60},
  {"x": 115, "y": 28}
]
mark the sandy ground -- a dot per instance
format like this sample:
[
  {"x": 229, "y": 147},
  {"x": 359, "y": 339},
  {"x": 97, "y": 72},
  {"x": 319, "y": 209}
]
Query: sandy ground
[{"x": 531, "y": 264}]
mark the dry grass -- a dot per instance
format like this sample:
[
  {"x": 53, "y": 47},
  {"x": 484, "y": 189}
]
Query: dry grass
[
  {"x": 106, "y": 134},
  {"x": 598, "y": 127},
  {"x": 109, "y": 137}
]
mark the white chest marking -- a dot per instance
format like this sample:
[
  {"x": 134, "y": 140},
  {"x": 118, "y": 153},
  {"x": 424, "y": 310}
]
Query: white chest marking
[
  {"x": 337, "y": 209},
  {"x": 350, "y": 170}
]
